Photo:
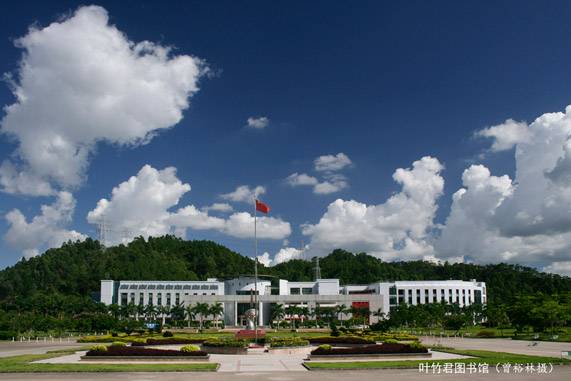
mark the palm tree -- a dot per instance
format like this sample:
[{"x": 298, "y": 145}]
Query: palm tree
[
  {"x": 189, "y": 312},
  {"x": 202, "y": 310},
  {"x": 114, "y": 310},
  {"x": 177, "y": 313},
  {"x": 278, "y": 313},
  {"x": 216, "y": 310},
  {"x": 150, "y": 312},
  {"x": 340, "y": 310},
  {"x": 164, "y": 311},
  {"x": 140, "y": 311},
  {"x": 303, "y": 312}
]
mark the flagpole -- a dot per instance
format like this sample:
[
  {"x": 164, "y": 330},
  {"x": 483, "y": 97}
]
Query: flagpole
[{"x": 256, "y": 271}]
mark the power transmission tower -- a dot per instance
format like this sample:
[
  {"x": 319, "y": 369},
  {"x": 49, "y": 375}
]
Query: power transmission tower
[{"x": 317, "y": 269}]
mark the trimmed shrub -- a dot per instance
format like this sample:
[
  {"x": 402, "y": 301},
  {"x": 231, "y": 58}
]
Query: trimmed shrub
[
  {"x": 370, "y": 349},
  {"x": 234, "y": 343},
  {"x": 137, "y": 351},
  {"x": 281, "y": 342},
  {"x": 325, "y": 347},
  {"x": 167, "y": 334},
  {"x": 340, "y": 340},
  {"x": 98, "y": 348},
  {"x": 118, "y": 344},
  {"x": 190, "y": 348},
  {"x": 485, "y": 334},
  {"x": 390, "y": 341},
  {"x": 166, "y": 341}
]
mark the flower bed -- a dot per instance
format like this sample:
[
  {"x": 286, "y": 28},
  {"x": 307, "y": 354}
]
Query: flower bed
[
  {"x": 368, "y": 350},
  {"x": 351, "y": 340},
  {"x": 167, "y": 341},
  {"x": 138, "y": 353}
]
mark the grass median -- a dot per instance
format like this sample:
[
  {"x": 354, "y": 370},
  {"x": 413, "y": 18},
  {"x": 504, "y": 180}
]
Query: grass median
[
  {"x": 25, "y": 364},
  {"x": 488, "y": 357}
]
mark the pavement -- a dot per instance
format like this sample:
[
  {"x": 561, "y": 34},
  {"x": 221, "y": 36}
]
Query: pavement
[
  {"x": 559, "y": 374},
  {"x": 9, "y": 348},
  {"x": 538, "y": 348}
]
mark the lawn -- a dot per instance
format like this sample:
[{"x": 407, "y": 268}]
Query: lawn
[
  {"x": 489, "y": 357},
  {"x": 23, "y": 364},
  {"x": 563, "y": 335}
]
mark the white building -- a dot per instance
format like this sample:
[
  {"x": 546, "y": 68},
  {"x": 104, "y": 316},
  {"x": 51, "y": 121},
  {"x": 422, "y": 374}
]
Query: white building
[{"x": 237, "y": 295}]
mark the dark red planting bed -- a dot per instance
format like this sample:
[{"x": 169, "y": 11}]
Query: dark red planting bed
[
  {"x": 340, "y": 340},
  {"x": 139, "y": 351},
  {"x": 370, "y": 349},
  {"x": 169, "y": 341}
]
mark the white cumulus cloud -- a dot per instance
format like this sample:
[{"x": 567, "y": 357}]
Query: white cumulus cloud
[
  {"x": 81, "y": 81},
  {"x": 525, "y": 220},
  {"x": 285, "y": 254},
  {"x": 45, "y": 230},
  {"x": 143, "y": 206},
  {"x": 506, "y": 135},
  {"x": 332, "y": 162},
  {"x": 397, "y": 228},
  {"x": 222, "y": 207},
  {"x": 244, "y": 193}
]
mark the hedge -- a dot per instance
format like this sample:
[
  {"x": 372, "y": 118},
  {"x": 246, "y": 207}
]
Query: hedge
[
  {"x": 340, "y": 340},
  {"x": 371, "y": 349},
  {"x": 138, "y": 351}
]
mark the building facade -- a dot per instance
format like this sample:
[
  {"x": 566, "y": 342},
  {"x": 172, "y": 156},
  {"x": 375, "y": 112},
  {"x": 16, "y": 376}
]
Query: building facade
[{"x": 238, "y": 295}]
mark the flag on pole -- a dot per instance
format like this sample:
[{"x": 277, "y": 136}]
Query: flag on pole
[{"x": 261, "y": 207}]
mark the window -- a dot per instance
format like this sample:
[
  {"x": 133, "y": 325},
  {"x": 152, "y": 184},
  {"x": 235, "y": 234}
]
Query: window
[
  {"x": 401, "y": 292},
  {"x": 195, "y": 293},
  {"x": 178, "y": 287},
  {"x": 392, "y": 290},
  {"x": 213, "y": 293},
  {"x": 169, "y": 287},
  {"x": 141, "y": 299},
  {"x": 142, "y": 287},
  {"x": 168, "y": 299},
  {"x": 151, "y": 287},
  {"x": 204, "y": 287},
  {"x": 186, "y": 287},
  {"x": 195, "y": 287},
  {"x": 307, "y": 290},
  {"x": 133, "y": 287},
  {"x": 150, "y": 298},
  {"x": 213, "y": 287},
  {"x": 132, "y": 298},
  {"x": 160, "y": 287},
  {"x": 123, "y": 298},
  {"x": 177, "y": 298},
  {"x": 294, "y": 291},
  {"x": 159, "y": 299},
  {"x": 124, "y": 287}
]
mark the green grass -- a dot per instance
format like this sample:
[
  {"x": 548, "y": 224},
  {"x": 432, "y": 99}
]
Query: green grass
[
  {"x": 23, "y": 364},
  {"x": 489, "y": 357},
  {"x": 564, "y": 334}
]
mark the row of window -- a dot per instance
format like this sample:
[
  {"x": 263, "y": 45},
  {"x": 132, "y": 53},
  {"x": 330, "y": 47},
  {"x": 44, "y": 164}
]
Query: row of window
[
  {"x": 453, "y": 296},
  {"x": 127, "y": 298},
  {"x": 168, "y": 287},
  {"x": 301, "y": 291}
]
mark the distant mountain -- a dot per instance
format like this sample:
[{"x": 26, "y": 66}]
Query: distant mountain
[{"x": 77, "y": 268}]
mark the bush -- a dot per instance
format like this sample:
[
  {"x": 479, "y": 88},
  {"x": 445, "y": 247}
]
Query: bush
[
  {"x": 114, "y": 334},
  {"x": 485, "y": 334},
  {"x": 137, "y": 351},
  {"x": 98, "y": 348},
  {"x": 390, "y": 341},
  {"x": 118, "y": 344},
  {"x": 340, "y": 340},
  {"x": 325, "y": 347},
  {"x": 167, "y": 334},
  {"x": 370, "y": 349},
  {"x": 8, "y": 335},
  {"x": 281, "y": 342},
  {"x": 190, "y": 348},
  {"x": 166, "y": 341},
  {"x": 234, "y": 343},
  {"x": 334, "y": 331}
]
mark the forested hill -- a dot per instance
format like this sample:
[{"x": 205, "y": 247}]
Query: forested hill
[{"x": 77, "y": 268}]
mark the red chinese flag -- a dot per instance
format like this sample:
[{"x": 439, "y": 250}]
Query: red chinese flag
[{"x": 261, "y": 207}]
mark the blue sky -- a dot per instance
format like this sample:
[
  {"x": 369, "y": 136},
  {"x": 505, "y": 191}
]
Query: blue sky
[{"x": 384, "y": 83}]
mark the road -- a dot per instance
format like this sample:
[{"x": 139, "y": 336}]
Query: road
[
  {"x": 559, "y": 374},
  {"x": 543, "y": 348},
  {"x": 8, "y": 348}
]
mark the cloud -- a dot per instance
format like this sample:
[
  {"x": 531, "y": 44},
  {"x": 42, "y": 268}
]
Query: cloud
[
  {"x": 331, "y": 162},
  {"x": 219, "y": 207},
  {"x": 301, "y": 179},
  {"x": 45, "y": 230},
  {"x": 397, "y": 228},
  {"x": 506, "y": 135},
  {"x": 244, "y": 193},
  {"x": 81, "y": 81},
  {"x": 143, "y": 206},
  {"x": 335, "y": 182},
  {"x": 283, "y": 255},
  {"x": 258, "y": 123},
  {"x": 526, "y": 220},
  {"x": 561, "y": 268}
]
